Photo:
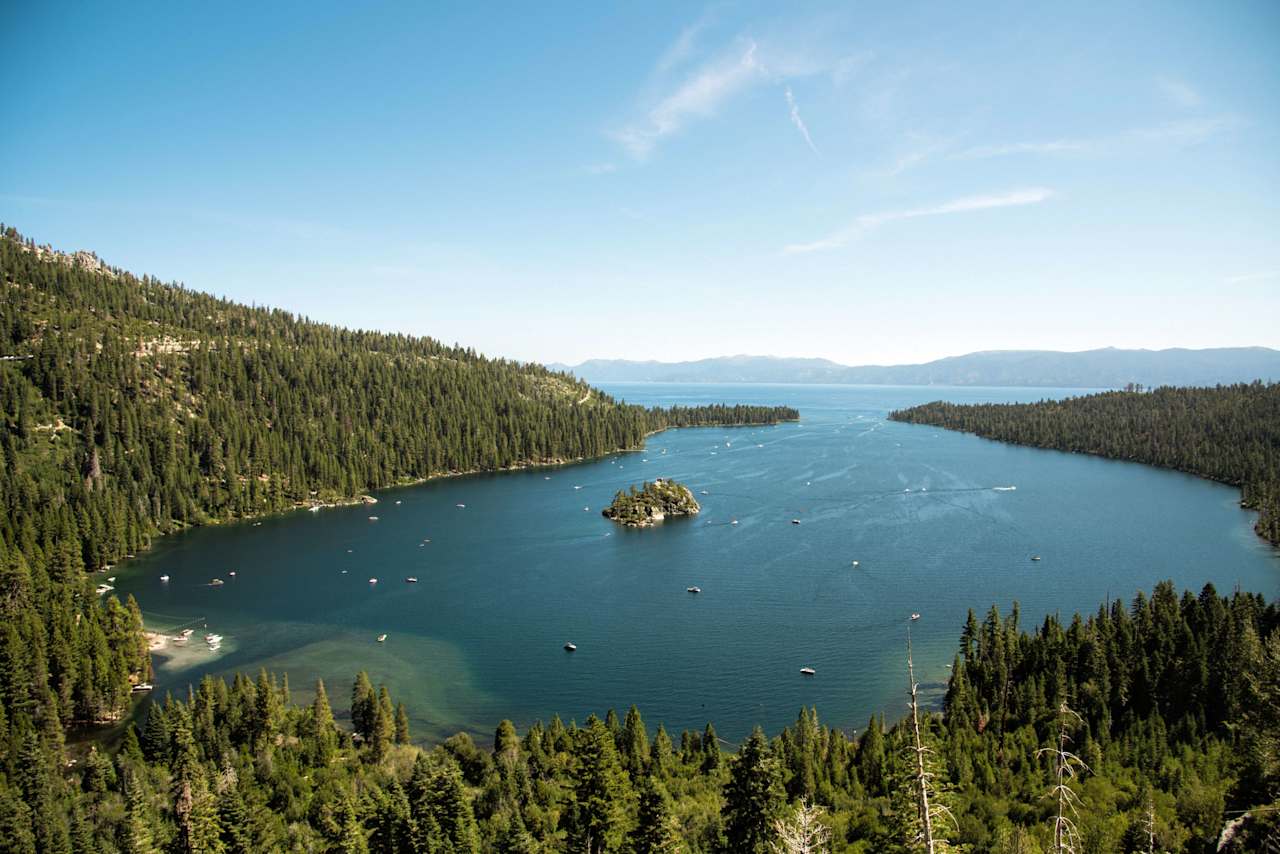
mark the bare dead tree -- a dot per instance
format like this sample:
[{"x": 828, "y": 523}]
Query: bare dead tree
[
  {"x": 803, "y": 833},
  {"x": 1065, "y": 767},
  {"x": 928, "y": 808}
]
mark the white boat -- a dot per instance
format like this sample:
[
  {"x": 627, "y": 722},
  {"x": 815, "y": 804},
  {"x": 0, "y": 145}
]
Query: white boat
[
  {"x": 213, "y": 638},
  {"x": 217, "y": 582},
  {"x": 141, "y": 686},
  {"x": 186, "y": 633},
  {"x": 373, "y": 581},
  {"x": 570, "y": 647},
  {"x": 104, "y": 588},
  {"x": 112, "y": 579},
  {"x": 373, "y": 518},
  {"x": 586, "y": 508},
  {"x": 164, "y": 578},
  {"x": 382, "y": 638},
  {"x": 232, "y": 573},
  {"x": 795, "y": 521},
  {"x": 577, "y": 487},
  {"x": 1035, "y": 557},
  {"x": 344, "y": 572},
  {"x": 915, "y": 617},
  {"x": 694, "y": 589},
  {"x": 315, "y": 508},
  {"x": 808, "y": 671},
  {"x": 855, "y": 563},
  {"x": 703, "y": 492},
  {"x": 734, "y": 522},
  {"x": 463, "y": 506},
  {"x": 397, "y": 502},
  {"x": 412, "y": 579}
]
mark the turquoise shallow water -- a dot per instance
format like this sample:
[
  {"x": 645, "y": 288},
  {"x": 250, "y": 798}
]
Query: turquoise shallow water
[{"x": 529, "y": 564}]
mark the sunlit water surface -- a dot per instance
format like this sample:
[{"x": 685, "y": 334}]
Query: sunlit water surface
[{"x": 529, "y": 563}]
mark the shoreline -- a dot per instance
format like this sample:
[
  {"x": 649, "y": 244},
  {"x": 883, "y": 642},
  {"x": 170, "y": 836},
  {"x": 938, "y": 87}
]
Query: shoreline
[{"x": 366, "y": 498}]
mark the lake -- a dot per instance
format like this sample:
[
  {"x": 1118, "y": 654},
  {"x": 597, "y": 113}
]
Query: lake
[{"x": 933, "y": 519}]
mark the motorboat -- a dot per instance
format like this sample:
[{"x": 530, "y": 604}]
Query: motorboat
[
  {"x": 412, "y": 579},
  {"x": 915, "y": 617},
  {"x": 382, "y": 638},
  {"x": 373, "y": 581},
  {"x": 808, "y": 671},
  {"x": 694, "y": 589},
  {"x": 164, "y": 578},
  {"x": 570, "y": 647},
  {"x": 216, "y": 582},
  {"x": 795, "y": 521}
]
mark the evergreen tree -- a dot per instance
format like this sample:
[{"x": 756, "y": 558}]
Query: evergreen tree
[
  {"x": 598, "y": 815},
  {"x": 753, "y": 797},
  {"x": 655, "y": 831}
]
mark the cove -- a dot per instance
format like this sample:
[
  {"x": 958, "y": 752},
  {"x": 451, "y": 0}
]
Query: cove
[{"x": 529, "y": 564}]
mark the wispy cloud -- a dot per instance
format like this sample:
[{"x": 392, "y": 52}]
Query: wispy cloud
[
  {"x": 968, "y": 204},
  {"x": 700, "y": 95},
  {"x": 1249, "y": 278},
  {"x": 799, "y": 122},
  {"x": 1184, "y": 132},
  {"x": 1179, "y": 93},
  {"x": 682, "y": 48}
]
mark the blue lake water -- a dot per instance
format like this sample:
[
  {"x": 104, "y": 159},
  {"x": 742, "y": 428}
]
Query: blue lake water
[{"x": 529, "y": 564}]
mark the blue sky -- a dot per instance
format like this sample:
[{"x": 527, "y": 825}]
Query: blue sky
[{"x": 863, "y": 182}]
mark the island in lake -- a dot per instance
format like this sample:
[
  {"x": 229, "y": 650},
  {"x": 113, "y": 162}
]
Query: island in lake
[{"x": 652, "y": 503}]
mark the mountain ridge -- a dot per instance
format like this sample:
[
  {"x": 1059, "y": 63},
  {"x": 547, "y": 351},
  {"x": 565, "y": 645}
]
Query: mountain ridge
[{"x": 1108, "y": 367}]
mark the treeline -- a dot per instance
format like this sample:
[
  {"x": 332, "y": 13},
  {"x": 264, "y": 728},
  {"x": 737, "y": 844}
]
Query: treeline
[
  {"x": 1171, "y": 703},
  {"x": 1226, "y": 433},
  {"x": 131, "y": 408}
]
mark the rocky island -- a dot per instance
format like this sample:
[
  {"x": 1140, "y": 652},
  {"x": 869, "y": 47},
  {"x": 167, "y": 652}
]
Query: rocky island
[{"x": 652, "y": 503}]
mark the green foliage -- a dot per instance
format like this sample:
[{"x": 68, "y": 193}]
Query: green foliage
[
  {"x": 651, "y": 503},
  {"x": 1176, "y": 695}
]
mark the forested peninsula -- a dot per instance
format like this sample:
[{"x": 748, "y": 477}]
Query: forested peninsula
[{"x": 1226, "y": 433}]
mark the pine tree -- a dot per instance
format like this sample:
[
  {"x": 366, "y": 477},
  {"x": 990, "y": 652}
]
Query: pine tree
[
  {"x": 753, "y": 797},
  {"x": 324, "y": 736},
  {"x": 597, "y": 817},
  {"x": 655, "y": 831}
]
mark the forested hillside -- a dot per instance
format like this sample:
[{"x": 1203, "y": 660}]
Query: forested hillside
[
  {"x": 129, "y": 408},
  {"x": 1160, "y": 718},
  {"x": 1226, "y": 433}
]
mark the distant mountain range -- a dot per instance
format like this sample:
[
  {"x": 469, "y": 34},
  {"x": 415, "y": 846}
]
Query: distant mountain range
[{"x": 1105, "y": 368}]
